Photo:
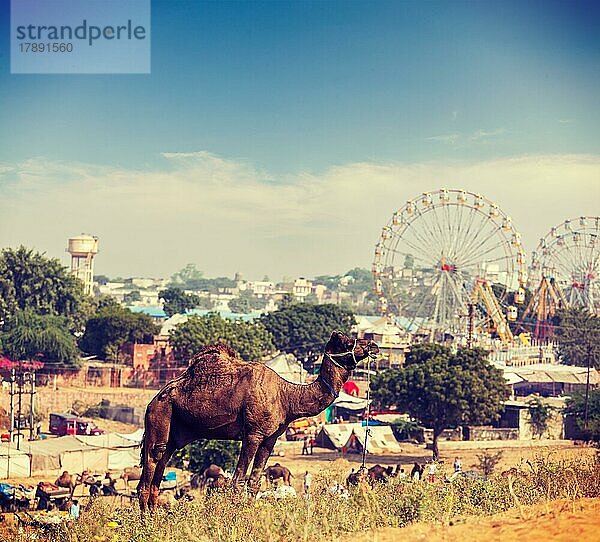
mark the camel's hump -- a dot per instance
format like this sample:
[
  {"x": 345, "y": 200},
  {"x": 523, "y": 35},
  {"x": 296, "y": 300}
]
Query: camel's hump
[
  {"x": 216, "y": 358},
  {"x": 214, "y": 351}
]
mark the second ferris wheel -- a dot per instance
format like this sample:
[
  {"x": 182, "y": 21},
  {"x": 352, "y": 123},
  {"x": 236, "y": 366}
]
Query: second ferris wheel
[{"x": 443, "y": 254}]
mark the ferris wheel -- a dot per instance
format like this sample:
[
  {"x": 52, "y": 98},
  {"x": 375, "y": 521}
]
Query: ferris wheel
[
  {"x": 441, "y": 253},
  {"x": 569, "y": 254}
]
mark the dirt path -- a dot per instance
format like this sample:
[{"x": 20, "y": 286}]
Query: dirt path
[{"x": 560, "y": 521}]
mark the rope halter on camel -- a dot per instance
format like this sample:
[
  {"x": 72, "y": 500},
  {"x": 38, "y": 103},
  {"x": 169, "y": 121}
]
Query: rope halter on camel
[
  {"x": 332, "y": 357},
  {"x": 372, "y": 355}
]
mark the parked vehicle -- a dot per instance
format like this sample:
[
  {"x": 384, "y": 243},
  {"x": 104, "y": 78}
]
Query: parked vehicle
[{"x": 68, "y": 424}]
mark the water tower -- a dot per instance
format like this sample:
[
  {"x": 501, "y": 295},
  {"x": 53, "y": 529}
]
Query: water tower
[{"x": 82, "y": 249}]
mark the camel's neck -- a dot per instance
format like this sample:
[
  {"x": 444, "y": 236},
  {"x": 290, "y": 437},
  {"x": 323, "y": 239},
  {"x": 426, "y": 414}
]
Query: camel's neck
[{"x": 313, "y": 398}]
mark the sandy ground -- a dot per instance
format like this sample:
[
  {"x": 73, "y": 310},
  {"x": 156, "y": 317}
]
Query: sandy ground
[{"x": 554, "y": 521}]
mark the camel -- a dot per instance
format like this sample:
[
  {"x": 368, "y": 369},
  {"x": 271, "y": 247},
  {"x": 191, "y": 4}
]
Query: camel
[
  {"x": 377, "y": 473},
  {"x": 276, "y": 472},
  {"x": 215, "y": 484},
  {"x": 131, "y": 473},
  {"x": 219, "y": 396},
  {"x": 211, "y": 473},
  {"x": 71, "y": 481}
]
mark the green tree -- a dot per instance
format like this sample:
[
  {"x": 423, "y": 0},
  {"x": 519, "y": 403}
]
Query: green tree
[
  {"x": 203, "y": 453},
  {"x": 331, "y": 282},
  {"x": 112, "y": 326},
  {"x": 304, "y": 329},
  {"x": 246, "y": 302},
  {"x": 441, "y": 389},
  {"x": 186, "y": 275},
  {"x": 31, "y": 281},
  {"x": 587, "y": 418},
  {"x": 250, "y": 339},
  {"x": 540, "y": 414},
  {"x": 578, "y": 335},
  {"x": 132, "y": 297},
  {"x": 176, "y": 301},
  {"x": 27, "y": 335},
  {"x": 190, "y": 278},
  {"x": 101, "y": 279},
  {"x": 363, "y": 281}
]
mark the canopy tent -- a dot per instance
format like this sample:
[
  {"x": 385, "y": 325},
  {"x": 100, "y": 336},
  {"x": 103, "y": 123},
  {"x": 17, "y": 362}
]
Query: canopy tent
[
  {"x": 122, "y": 452},
  {"x": 13, "y": 463},
  {"x": 334, "y": 436},
  {"x": 288, "y": 367},
  {"x": 350, "y": 402},
  {"x": 136, "y": 436},
  {"x": 548, "y": 373},
  {"x": 381, "y": 440},
  {"x": 65, "y": 453}
]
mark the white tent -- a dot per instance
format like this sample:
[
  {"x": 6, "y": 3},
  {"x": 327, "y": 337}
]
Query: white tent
[
  {"x": 381, "y": 440},
  {"x": 335, "y": 435},
  {"x": 288, "y": 367},
  {"x": 136, "y": 436},
  {"x": 122, "y": 452},
  {"x": 13, "y": 463},
  {"x": 65, "y": 453}
]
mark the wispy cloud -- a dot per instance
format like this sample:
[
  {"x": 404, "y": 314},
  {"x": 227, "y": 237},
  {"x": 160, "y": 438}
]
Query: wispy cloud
[
  {"x": 480, "y": 136},
  {"x": 451, "y": 139},
  {"x": 486, "y": 134},
  {"x": 227, "y": 215}
]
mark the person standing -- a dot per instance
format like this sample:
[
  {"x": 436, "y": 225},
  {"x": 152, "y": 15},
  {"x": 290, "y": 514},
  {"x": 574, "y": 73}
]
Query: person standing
[
  {"x": 415, "y": 473},
  {"x": 305, "y": 446},
  {"x": 431, "y": 470},
  {"x": 457, "y": 465},
  {"x": 307, "y": 483},
  {"x": 74, "y": 510}
]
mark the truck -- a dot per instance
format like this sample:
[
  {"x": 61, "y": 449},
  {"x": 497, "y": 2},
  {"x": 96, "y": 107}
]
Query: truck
[{"x": 68, "y": 424}]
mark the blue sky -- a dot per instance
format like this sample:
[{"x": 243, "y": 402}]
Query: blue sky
[{"x": 286, "y": 90}]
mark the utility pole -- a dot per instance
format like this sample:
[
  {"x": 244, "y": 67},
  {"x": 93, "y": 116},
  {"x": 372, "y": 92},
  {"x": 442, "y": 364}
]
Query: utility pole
[
  {"x": 587, "y": 384},
  {"x": 21, "y": 383},
  {"x": 471, "y": 317}
]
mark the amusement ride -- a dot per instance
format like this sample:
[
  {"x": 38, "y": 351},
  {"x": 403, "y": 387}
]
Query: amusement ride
[
  {"x": 564, "y": 273},
  {"x": 450, "y": 264}
]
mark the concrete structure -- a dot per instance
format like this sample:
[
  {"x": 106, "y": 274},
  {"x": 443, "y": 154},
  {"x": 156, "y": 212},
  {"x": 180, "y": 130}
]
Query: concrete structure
[
  {"x": 516, "y": 417},
  {"x": 143, "y": 356},
  {"x": 82, "y": 249},
  {"x": 301, "y": 288}
]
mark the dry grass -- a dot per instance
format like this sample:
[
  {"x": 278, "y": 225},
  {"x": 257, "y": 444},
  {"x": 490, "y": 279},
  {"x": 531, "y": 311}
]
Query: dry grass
[{"x": 229, "y": 517}]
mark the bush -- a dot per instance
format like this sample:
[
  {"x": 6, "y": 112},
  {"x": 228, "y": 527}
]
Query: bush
[{"x": 233, "y": 517}]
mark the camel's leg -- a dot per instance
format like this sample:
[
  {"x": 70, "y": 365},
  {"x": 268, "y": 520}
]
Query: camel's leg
[
  {"x": 156, "y": 437},
  {"x": 250, "y": 445},
  {"x": 158, "y": 475},
  {"x": 260, "y": 460}
]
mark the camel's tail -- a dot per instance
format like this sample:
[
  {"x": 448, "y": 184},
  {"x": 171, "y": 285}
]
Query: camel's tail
[{"x": 143, "y": 449}]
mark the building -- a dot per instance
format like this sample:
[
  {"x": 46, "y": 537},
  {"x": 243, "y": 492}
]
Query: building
[
  {"x": 301, "y": 288},
  {"x": 145, "y": 356}
]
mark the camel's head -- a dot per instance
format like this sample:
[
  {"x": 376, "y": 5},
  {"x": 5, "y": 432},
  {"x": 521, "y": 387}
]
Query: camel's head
[{"x": 348, "y": 352}]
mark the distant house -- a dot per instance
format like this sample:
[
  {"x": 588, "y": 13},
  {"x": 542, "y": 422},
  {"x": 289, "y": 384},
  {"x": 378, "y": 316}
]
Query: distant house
[{"x": 142, "y": 355}]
